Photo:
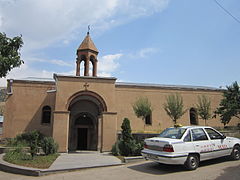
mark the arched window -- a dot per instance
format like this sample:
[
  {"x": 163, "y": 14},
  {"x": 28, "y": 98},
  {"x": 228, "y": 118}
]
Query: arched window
[
  {"x": 148, "y": 119},
  {"x": 193, "y": 116},
  {"x": 46, "y": 114},
  {"x": 82, "y": 65}
]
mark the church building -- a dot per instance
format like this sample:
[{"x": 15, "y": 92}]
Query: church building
[{"x": 85, "y": 112}]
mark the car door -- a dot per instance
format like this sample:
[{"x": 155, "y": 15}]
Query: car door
[
  {"x": 202, "y": 144},
  {"x": 219, "y": 143},
  {"x": 188, "y": 146}
]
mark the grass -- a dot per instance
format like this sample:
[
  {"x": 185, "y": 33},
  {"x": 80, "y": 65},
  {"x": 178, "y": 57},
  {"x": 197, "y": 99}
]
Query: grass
[{"x": 21, "y": 159}]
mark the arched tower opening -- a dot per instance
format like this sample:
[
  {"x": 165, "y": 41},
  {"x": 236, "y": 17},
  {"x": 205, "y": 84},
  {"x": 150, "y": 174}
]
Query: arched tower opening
[{"x": 88, "y": 50}]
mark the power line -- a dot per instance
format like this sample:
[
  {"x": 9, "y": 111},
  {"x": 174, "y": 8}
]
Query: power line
[{"x": 230, "y": 14}]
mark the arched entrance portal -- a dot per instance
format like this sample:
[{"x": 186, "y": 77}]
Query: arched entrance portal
[{"x": 85, "y": 121}]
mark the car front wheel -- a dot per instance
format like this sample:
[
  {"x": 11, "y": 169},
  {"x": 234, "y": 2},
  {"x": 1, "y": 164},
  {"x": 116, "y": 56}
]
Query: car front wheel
[
  {"x": 192, "y": 162},
  {"x": 235, "y": 155}
]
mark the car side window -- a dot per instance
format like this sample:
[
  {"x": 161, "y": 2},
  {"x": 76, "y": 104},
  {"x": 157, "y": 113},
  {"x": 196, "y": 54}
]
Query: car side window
[
  {"x": 187, "y": 137},
  {"x": 199, "y": 134},
  {"x": 213, "y": 134}
]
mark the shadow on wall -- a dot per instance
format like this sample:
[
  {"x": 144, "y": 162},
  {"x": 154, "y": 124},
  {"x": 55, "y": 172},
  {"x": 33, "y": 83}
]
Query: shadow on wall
[{"x": 36, "y": 121}]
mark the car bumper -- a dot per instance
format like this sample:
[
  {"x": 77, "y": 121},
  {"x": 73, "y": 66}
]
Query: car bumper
[{"x": 165, "y": 159}]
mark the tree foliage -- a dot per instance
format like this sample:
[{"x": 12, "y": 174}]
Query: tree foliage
[
  {"x": 127, "y": 145},
  {"x": 3, "y": 94},
  {"x": 142, "y": 107},
  {"x": 204, "y": 108},
  {"x": 230, "y": 104},
  {"x": 9, "y": 53},
  {"x": 174, "y": 107}
]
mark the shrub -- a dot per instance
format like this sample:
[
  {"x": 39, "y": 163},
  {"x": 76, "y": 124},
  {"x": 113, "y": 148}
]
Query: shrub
[
  {"x": 127, "y": 145},
  {"x": 115, "y": 149},
  {"x": 17, "y": 153},
  {"x": 138, "y": 148},
  {"x": 49, "y": 146},
  {"x": 34, "y": 140}
]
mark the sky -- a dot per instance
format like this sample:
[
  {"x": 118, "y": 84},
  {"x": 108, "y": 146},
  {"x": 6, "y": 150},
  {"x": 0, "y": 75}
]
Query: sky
[{"x": 173, "y": 42}]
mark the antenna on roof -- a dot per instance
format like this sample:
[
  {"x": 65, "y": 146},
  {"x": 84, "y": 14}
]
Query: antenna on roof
[{"x": 88, "y": 29}]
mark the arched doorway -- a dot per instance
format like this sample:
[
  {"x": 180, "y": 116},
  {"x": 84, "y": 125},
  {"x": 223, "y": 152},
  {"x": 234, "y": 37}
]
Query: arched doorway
[
  {"x": 84, "y": 126},
  {"x": 193, "y": 116}
]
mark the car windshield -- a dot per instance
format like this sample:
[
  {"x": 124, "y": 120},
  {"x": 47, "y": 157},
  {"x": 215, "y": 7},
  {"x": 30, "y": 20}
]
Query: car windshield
[{"x": 173, "y": 133}]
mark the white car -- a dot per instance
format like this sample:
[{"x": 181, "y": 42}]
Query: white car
[{"x": 188, "y": 145}]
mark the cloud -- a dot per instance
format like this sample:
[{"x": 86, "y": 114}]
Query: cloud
[
  {"x": 108, "y": 64},
  {"x": 51, "y": 61},
  {"x": 45, "y": 22},
  {"x": 146, "y": 51},
  {"x": 48, "y": 23},
  {"x": 143, "y": 53},
  {"x": 23, "y": 72}
]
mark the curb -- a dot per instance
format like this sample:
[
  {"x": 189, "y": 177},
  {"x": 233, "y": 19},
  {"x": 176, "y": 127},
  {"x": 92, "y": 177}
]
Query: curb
[
  {"x": 16, "y": 169},
  {"x": 29, "y": 172},
  {"x": 22, "y": 171}
]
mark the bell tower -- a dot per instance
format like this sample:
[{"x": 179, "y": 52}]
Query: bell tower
[{"x": 87, "y": 53}]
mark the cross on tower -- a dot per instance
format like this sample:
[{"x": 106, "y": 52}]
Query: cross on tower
[
  {"x": 88, "y": 29},
  {"x": 86, "y": 85}
]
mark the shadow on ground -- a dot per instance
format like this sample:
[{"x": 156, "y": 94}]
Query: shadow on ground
[
  {"x": 161, "y": 169},
  {"x": 232, "y": 173}
]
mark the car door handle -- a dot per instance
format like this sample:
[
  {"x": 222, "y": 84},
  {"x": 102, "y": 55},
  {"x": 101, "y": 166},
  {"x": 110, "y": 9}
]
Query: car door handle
[{"x": 197, "y": 145}]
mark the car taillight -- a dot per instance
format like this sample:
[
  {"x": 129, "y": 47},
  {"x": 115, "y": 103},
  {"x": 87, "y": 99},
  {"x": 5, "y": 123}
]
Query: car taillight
[
  {"x": 145, "y": 145},
  {"x": 168, "y": 148}
]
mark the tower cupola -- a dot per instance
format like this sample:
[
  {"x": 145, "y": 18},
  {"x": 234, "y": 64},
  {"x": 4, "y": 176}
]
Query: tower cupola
[{"x": 87, "y": 53}]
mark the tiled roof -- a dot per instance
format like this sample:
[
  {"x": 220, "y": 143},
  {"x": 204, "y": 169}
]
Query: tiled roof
[
  {"x": 87, "y": 44},
  {"x": 36, "y": 79},
  {"x": 164, "y": 86}
]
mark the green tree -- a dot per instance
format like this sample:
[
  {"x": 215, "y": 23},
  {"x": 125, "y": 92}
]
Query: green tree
[
  {"x": 174, "y": 107},
  {"x": 126, "y": 141},
  {"x": 204, "y": 108},
  {"x": 1, "y": 110},
  {"x": 230, "y": 104},
  {"x": 3, "y": 94},
  {"x": 127, "y": 145},
  {"x": 9, "y": 53},
  {"x": 142, "y": 107}
]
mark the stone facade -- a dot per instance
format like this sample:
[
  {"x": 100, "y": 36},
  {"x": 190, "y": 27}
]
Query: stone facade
[{"x": 86, "y": 112}]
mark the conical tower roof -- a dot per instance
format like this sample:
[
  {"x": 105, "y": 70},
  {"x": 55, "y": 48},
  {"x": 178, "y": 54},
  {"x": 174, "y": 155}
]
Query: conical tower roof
[{"x": 87, "y": 44}]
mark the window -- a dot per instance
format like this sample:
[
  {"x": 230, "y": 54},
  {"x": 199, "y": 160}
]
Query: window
[
  {"x": 193, "y": 116},
  {"x": 173, "y": 133},
  {"x": 199, "y": 135},
  {"x": 187, "y": 137},
  {"x": 148, "y": 119},
  {"x": 46, "y": 114},
  {"x": 213, "y": 134}
]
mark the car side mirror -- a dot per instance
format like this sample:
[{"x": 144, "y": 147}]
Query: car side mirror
[{"x": 223, "y": 137}]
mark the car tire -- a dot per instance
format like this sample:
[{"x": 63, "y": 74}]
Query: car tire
[
  {"x": 235, "y": 155},
  {"x": 192, "y": 162}
]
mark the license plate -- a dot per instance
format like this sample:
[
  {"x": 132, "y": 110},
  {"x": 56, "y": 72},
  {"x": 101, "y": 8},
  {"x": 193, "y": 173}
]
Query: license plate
[{"x": 151, "y": 156}]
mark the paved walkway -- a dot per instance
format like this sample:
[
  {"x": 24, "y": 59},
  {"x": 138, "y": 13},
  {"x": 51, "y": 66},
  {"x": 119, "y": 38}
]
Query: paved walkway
[{"x": 66, "y": 162}]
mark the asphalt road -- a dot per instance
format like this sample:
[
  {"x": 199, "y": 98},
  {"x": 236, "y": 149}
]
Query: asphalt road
[{"x": 219, "y": 169}]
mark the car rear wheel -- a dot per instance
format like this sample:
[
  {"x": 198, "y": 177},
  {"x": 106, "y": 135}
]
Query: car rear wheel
[
  {"x": 192, "y": 162},
  {"x": 235, "y": 155}
]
